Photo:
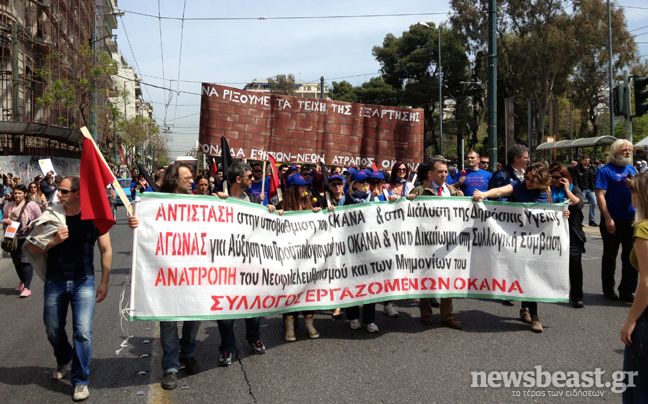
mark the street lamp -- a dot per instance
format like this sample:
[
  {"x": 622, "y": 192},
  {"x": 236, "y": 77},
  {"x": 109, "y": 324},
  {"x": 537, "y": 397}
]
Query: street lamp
[{"x": 425, "y": 25}]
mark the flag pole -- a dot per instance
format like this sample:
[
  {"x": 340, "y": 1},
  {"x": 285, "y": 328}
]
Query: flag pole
[
  {"x": 263, "y": 180},
  {"x": 115, "y": 183}
]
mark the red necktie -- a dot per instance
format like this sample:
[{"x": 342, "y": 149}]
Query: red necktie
[{"x": 440, "y": 190}]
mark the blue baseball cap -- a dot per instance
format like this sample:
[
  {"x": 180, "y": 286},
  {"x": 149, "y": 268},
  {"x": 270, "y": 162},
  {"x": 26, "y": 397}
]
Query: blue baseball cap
[
  {"x": 367, "y": 171},
  {"x": 377, "y": 175},
  {"x": 295, "y": 179},
  {"x": 336, "y": 177},
  {"x": 292, "y": 167},
  {"x": 359, "y": 176},
  {"x": 350, "y": 170}
]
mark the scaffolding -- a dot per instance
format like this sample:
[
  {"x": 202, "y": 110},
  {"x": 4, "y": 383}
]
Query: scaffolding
[{"x": 29, "y": 31}]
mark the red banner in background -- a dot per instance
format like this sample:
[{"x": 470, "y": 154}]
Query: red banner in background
[{"x": 305, "y": 130}]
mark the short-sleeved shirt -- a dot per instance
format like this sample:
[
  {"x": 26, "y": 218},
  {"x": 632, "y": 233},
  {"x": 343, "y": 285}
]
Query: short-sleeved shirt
[
  {"x": 478, "y": 179},
  {"x": 523, "y": 194},
  {"x": 640, "y": 231},
  {"x": 612, "y": 179},
  {"x": 74, "y": 257}
]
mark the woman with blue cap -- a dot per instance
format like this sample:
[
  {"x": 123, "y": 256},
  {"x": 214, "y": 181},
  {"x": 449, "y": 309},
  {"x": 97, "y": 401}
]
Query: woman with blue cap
[
  {"x": 296, "y": 197},
  {"x": 359, "y": 192}
]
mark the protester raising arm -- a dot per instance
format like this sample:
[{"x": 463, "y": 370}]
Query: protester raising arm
[{"x": 506, "y": 190}]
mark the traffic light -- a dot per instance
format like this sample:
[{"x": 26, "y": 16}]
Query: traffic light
[
  {"x": 641, "y": 95},
  {"x": 618, "y": 94}
]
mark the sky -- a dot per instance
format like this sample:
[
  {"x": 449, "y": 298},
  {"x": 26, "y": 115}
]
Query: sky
[{"x": 172, "y": 57}]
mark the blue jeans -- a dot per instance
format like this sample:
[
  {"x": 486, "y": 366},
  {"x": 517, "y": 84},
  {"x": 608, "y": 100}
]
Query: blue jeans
[
  {"x": 80, "y": 294},
  {"x": 635, "y": 359},
  {"x": 226, "y": 330},
  {"x": 171, "y": 343},
  {"x": 591, "y": 198}
]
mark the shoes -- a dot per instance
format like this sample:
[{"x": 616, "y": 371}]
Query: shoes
[
  {"x": 507, "y": 302},
  {"x": 310, "y": 327},
  {"x": 337, "y": 314},
  {"x": 25, "y": 293},
  {"x": 577, "y": 304},
  {"x": 61, "y": 371},
  {"x": 611, "y": 295},
  {"x": 169, "y": 380},
  {"x": 225, "y": 359},
  {"x": 258, "y": 347},
  {"x": 427, "y": 319},
  {"x": 372, "y": 327},
  {"x": 191, "y": 365},
  {"x": 354, "y": 324},
  {"x": 390, "y": 310},
  {"x": 593, "y": 224},
  {"x": 435, "y": 303},
  {"x": 289, "y": 335},
  {"x": 535, "y": 325},
  {"x": 626, "y": 297},
  {"x": 20, "y": 287},
  {"x": 452, "y": 323},
  {"x": 80, "y": 392},
  {"x": 525, "y": 316}
]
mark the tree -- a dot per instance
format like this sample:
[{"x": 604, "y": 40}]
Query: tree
[
  {"x": 343, "y": 91},
  {"x": 591, "y": 75},
  {"x": 410, "y": 66},
  {"x": 282, "y": 84},
  {"x": 81, "y": 84}
]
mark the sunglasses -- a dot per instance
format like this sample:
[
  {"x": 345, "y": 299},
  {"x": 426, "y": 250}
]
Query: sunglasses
[
  {"x": 67, "y": 191},
  {"x": 258, "y": 171},
  {"x": 556, "y": 177},
  {"x": 337, "y": 184},
  {"x": 337, "y": 172},
  {"x": 484, "y": 162},
  {"x": 401, "y": 169},
  {"x": 376, "y": 182},
  {"x": 526, "y": 178},
  {"x": 250, "y": 176}
]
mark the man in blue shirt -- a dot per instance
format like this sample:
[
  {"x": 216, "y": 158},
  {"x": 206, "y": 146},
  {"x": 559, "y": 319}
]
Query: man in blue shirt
[
  {"x": 617, "y": 215},
  {"x": 257, "y": 181},
  {"x": 474, "y": 177},
  {"x": 517, "y": 158}
]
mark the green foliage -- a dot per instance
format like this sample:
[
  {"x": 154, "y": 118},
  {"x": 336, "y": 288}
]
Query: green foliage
[{"x": 282, "y": 84}]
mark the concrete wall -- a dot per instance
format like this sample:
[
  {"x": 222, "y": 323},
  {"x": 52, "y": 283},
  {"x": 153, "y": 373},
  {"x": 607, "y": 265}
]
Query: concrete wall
[{"x": 27, "y": 167}]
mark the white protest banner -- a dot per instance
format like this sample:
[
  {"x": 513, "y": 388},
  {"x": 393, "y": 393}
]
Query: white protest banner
[
  {"x": 46, "y": 166},
  {"x": 199, "y": 257}
]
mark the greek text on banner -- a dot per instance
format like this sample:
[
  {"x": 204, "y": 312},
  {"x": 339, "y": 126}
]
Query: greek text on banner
[{"x": 199, "y": 257}]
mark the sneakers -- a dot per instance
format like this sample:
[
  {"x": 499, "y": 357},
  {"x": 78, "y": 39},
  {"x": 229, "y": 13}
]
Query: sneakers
[
  {"x": 20, "y": 287},
  {"x": 169, "y": 380},
  {"x": 225, "y": 359},
  {"x": 258, "y": 347},
  {"x": 80, "y": 392},
  {"x": 354, "y": 324},
  {"x": 372, "y": 327},
  {"x": 535, "y": 324},
  {"x": 390, "y": 310},
  {"x": 25, "y": 293},
  {"x": 525, "y": 316},
  {"x": 191, "y": 365},
  {"x": 61, "y": 371}
]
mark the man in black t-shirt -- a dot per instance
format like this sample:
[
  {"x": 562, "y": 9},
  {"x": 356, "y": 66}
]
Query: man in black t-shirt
[{"x": 70, "y": 282}]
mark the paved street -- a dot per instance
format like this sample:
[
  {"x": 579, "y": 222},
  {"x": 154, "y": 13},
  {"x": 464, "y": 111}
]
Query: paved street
[{"x": 405, "y": 362}]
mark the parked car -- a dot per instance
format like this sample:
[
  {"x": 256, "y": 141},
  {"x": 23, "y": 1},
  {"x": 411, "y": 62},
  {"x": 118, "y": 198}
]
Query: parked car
[{"x": 125, "y": 185}]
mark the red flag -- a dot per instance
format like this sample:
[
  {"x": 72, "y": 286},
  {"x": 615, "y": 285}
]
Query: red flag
[
  {"x": 214, "y": 169},
  {"x": 275, "y": 184},
  {"x": 375, "y": 167},
  {"x": 95, "y": 176}
]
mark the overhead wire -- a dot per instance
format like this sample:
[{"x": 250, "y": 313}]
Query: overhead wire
[
  {"x": 166, "y": 107},
  {"x": 175, "y": 112},
  {"x": 282, "y": 18}
]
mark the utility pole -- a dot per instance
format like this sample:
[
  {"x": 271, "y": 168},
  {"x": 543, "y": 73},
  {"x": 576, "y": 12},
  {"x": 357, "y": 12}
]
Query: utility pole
[
  {"x": 322, "y": 87},
  {"x": 571, "y": 132},
  {"x": 440, "y": 98},
  {"x": 492, "y": 83},
  {"x": 611, "y": 70},
  {"x": 626, "y": 102}
]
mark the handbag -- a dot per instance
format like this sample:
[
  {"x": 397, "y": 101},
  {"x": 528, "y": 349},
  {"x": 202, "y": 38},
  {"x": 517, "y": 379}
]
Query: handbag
[{"x": 11, "y": 244}]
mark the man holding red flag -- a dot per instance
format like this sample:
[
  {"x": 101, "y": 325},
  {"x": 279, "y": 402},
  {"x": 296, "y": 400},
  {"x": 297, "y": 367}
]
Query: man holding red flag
[{"x": 69, "y": 240}]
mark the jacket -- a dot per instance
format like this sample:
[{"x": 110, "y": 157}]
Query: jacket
[{"x": 42, "y": 232}]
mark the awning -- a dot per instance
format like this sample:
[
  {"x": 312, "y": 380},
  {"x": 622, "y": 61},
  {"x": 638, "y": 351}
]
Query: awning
[
  {"x": 575, "y": 143},
  {"x": 642, "y": 144},
  {"x": 61, "y": 134}
]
